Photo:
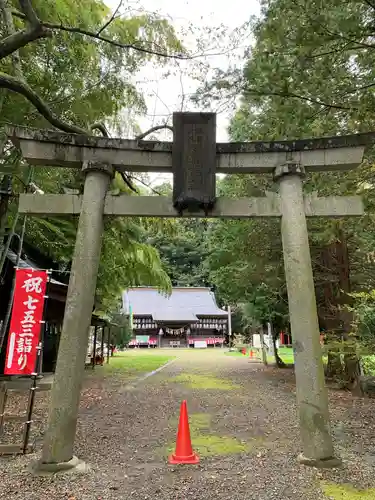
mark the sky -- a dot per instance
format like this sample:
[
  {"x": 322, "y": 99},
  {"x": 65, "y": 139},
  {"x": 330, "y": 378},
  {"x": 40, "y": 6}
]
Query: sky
[{"x": 164, "y": 94}]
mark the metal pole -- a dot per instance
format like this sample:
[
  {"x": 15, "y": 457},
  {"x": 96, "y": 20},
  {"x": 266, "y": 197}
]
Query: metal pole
[
  {"x": 43, "y": 335},
  {"x": 230, "y": 327},
  {"x": 5, "y": 195},
  {"x": 160, "y": 335},
  {"x": 312, "y": 397},
  {"x": 37, "y": 370},
  {"x": 11, "y": 298},
  {"x": 66, "y": 389},
  {"x": 263, "y": 346},
  {"x": 7, "y": 244},
  {"x": 108, "y": 341},
  {"x": 3, "y": 402},
  {"x": 102, "y": 345},
  {"x": 271, "y": 350},
  {"x": 94, "y": 346},
  {"x": 14, "y": 225},
  {"x": 30, "y": 405}
]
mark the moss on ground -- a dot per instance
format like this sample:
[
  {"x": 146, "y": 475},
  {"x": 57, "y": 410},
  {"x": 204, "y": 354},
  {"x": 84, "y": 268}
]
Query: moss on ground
[
  {"x": 207, "y": 444},
  {"x": 199, "y": 421},
  {"x": 215, "y": 446},
  {"x": 346, "y": 492},
  {"x": 195, "y": 381}
]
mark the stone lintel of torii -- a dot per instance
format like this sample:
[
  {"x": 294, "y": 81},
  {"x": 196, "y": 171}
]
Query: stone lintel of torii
[
  {"x": 49, "y": 148},
  {"x": 162, "y": 206},
  {"x": 192, "y": 149}
]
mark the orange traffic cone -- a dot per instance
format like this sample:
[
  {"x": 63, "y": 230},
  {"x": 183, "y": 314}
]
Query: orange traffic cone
[
  {"x": 184, "y": 452},
  {"x": 251, "y": 353}
]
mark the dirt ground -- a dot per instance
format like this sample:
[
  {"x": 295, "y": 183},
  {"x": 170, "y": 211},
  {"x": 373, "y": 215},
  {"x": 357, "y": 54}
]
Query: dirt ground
[{"x": 243, "y": 425}]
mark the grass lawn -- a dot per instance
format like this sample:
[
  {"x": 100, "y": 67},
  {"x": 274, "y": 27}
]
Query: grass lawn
[
  {"x": 135, "y": 362},
  {"x": 285, "y": 353}
]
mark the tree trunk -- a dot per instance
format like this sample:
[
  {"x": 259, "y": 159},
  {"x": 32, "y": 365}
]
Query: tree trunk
[
  {"x": 334, "y": 369},
  {"x": 279, "y": 362},
  {"x": 353, "y": 373},
  {"x": 263, "y": 346},
  {"x": 352, "y": 370}
]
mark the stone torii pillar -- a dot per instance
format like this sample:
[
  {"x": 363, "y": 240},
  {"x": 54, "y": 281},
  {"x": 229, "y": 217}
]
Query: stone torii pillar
[
  {"x": 65, "y": 396},
  {"x": 312, "y": 397},
  {"x": 191, "y": 150}
]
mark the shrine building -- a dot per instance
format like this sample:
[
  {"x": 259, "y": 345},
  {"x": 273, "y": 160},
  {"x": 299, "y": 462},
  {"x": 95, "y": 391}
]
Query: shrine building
[{"x": 189, "y": 317}]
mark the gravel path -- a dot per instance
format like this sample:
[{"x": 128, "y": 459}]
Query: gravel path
[{"x": 248, "y": 418}]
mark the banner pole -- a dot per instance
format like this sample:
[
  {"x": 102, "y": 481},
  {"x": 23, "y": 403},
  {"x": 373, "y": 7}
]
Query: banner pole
[{"x": 38, "y": 369}]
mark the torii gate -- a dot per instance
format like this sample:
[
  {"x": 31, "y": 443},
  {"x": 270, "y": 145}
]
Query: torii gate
[{"x": 195, "y": 154}]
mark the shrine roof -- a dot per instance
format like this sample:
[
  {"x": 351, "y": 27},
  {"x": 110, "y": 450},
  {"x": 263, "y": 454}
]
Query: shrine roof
[
  {"x": 27, "y": 263},
  {"x": 183, "y": 304}
]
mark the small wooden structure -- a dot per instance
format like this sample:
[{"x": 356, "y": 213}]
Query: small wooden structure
[
  {"x": 96, "y": 354},
  {"x": 57, "y": 289},
  {"x": 24, "y": 390}
]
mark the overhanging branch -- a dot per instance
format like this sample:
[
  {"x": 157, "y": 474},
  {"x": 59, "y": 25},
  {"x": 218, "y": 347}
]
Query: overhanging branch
[
  {"x": 292, "y": 95},
  {"x": 10, "y": 83},
  {"x": 20, "y": 39},
  {"x": 32, "y": 32},
  {"x": 112, "y": 18},
  {"x": 153, "y": 129},
  {"x": 125, "y": 177},
  {"x": 101, "y": 127},
  {"x": 97, "y": 36},
  {"x": 29, "y": 12}
]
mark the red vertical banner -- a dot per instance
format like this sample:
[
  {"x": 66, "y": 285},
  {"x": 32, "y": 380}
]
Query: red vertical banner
[{"x": 25, "y": 324}]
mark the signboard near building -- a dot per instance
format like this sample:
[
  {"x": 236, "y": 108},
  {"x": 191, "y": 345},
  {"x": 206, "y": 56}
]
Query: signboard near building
[
  {"x": 200, "y": 344},
  {"x": 142, "y": 339},
  {"x": 25, "y": 324}
]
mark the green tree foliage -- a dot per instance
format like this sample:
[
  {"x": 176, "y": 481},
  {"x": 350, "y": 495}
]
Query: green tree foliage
[
  {"x": 126, "y": 259},
  {"x": 181, "y": 244},
  {"x": 121, "y": 332},
  {"x": 313, "y": 77},
  {"x": 244, "y": 258},
  {"x": 84, "y": 80},
  {"x": 309, "y": 73},
  {"x": 263, "y": 306},
  {"x": 183, "y": 252}
]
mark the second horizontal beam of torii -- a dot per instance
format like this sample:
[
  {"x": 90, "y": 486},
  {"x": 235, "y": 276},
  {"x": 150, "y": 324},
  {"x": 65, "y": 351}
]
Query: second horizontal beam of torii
[{"x": 161, "y": 206}]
